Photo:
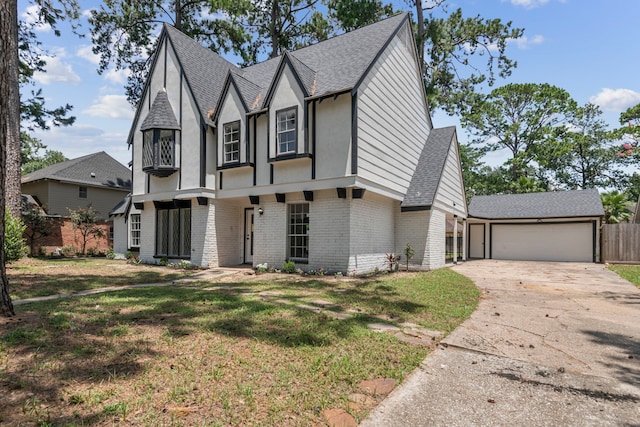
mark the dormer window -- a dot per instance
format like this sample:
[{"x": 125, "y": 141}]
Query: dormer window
[
  {"x": 159, "y": 138},
  {"x": 232, "y": 142},
  {"x": 286, "y": 132}
]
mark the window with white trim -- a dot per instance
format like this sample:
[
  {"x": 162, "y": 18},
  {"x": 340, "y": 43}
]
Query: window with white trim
[
  {"x": 286, "y": 134},
  {"x": 298, "y": 232},
  {"x": 232, "y": 142},
  {"x": 134, "y": 224}
]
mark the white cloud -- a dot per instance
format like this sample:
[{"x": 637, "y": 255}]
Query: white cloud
[
  {"x": 530, "y": 4},
  {"x": 525, "y": 42},
  {"x": 616, "y": 100},
  {"x": 57, "y": 71},
  {"x": 82, "y": 139},
  {"x": 118, "y": 77},
  {"x": 31, "y": 15},
  {"x": 85, "y": 52},
  {"x": 111, "y": 106}
]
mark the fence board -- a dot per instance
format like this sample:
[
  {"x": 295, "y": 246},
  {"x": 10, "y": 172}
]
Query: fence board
[{"x": 621, "y": 243}]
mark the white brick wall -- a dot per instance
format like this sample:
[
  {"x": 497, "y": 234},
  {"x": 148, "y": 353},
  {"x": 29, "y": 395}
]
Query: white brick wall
[
  {"x": 204, "y": 251},
  {"x": 372, "y": 232},
  {"x": 147, "y": 234},
  {"x": 436, "y": 240},
  {"x": 412, "y": 228}
]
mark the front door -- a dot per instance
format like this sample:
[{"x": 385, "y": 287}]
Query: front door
[
  {"x": 476, "y": 241},
  {"x": 248, "y": 236}
]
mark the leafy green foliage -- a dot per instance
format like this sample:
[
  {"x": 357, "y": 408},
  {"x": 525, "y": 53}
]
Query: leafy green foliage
[
  {"x": 38, "y": 225},
  {"x": 454, "y": 47},
  {"x": 289, "y": 267},
  {"x": 354, "y": 14},
  {"x": 617, "y": 207},
  {"x": 15, "y": 245},
  {"x": 523, "y": 119},
  {"x": 124, "y": 33},
  {"x": 85, "y": 221},
  {"x": 409, "y": 252}
]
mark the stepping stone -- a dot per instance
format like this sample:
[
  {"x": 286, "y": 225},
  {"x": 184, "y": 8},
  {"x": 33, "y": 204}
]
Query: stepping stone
[
  {"x": 383, "y": 327},
  {"x": 362, "y": 400},
  {"x": 323, "y": 303},
  {"x": 423, "y": 341},
  {"x": 339, "y": 418},
  {"x": 378, "y": 387}
]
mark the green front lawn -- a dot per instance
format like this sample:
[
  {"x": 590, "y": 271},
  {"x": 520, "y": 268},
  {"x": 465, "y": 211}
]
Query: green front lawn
[
  {"x": 244, "y": 352},
  {"x": 629, "y": 272}
]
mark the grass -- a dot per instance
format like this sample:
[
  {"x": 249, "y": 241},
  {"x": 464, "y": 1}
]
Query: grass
[
  {"x": 33, "y": 277},
  {"x": 629, "y": 272},
  {"x": 242, "y": 352}
]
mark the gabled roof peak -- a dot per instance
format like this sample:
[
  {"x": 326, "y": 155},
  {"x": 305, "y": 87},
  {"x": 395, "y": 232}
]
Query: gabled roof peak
[{"x": 161, "y": 114}]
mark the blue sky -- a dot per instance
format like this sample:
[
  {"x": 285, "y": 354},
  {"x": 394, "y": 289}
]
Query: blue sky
[{"x": 588, "y": 47}]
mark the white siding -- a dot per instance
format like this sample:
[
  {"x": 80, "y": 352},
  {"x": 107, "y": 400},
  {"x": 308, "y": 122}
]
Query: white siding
[
  {"x": 333, "y": 133},
  {"x": 450, "y": 194},
  {"x": 425, "y": 232},
  {"x": 393, "y": 121}
]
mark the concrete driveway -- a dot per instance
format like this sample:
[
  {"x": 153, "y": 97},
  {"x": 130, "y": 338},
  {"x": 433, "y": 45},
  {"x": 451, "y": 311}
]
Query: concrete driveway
[{"x": 550, "y": 344}]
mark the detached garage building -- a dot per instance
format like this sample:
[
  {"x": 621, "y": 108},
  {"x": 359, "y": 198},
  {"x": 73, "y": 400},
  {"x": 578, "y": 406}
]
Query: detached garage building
[{"x": 554, "y": 226}]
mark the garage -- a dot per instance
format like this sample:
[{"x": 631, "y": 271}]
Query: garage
[
  {"x": 573, "y": 241},
  {"x": 549, "y": 226}
]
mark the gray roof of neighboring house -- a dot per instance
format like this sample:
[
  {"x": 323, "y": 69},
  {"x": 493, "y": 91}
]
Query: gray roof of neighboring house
[
  {"x": 106, "y": 171},
  {"x": 30, "y": 202},
  {"x": 161, "y": 114},
  {"x": 557, "y": 204},
  {"x": 333, "y": 65},
  {"x": 426, "y": 178}
]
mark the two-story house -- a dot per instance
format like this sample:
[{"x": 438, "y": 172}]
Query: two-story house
[
  {"x": 325, "y": 156},
  {"x": 96, "y": 180}
]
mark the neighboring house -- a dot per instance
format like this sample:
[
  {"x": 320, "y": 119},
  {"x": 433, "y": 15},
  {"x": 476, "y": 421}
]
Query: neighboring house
[
  {"x": 325, "y": 156},
  {"x": 555, "y": 226},
  {"x": 636, "y": 217},
  {"x": 96, "y": 179}
]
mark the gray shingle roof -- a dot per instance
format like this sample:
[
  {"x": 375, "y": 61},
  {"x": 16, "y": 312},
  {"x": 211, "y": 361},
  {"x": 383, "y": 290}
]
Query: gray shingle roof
[
  {"x": 161, "y": 114},
  {"x": 426, "y": 178},
  {"x": 326, "y": 67},
  {"x": 204, "y": 70},
  {"x": 559, "y": 204},
  {"x": 122, "y": 207},
  {"x": 107, "y": 171}
]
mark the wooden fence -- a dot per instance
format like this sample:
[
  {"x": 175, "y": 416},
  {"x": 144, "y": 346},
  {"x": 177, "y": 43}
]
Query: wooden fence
[{"x": 621, "y": 243}]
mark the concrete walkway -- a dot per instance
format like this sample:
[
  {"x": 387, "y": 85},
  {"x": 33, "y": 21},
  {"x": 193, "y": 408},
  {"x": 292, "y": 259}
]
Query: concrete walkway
[{"x": 550, "y": 344}]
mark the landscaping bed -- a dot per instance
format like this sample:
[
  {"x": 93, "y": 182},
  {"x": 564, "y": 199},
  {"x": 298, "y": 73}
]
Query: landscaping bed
[{"x": 270, "y": 349}]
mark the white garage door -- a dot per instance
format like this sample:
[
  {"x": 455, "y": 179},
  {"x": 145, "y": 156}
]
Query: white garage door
[{"x": 543, "y": 242}]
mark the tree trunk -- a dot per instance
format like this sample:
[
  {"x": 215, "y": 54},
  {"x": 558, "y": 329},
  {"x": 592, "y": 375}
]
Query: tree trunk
[
  {"x": 273, "y": 28},
  {"x": 420, "y": 35},
  {"x": 9, "y": 131}
]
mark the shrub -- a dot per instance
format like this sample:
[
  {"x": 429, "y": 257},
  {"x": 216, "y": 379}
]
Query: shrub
[
  {"x": 15, "y": 246},
  {"x": 111, "y": 254},
  {"x": 289, "y": 267},
  {"x": 262, "y": 268},
  {"x": 68, "y": 251},
  {"x": 409, "y": 252}
]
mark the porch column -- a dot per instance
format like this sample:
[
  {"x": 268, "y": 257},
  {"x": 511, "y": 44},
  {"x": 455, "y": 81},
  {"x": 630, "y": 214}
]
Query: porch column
[
  {"x": 464, "y": 239},
  {"x": 455, "y": 239}
]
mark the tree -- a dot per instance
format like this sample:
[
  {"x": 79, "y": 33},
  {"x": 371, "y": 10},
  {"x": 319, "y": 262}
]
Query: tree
[
  {"x": 617, "y": 207},
  {"x": 629, "y": 133},
  {"x": 124, "y": 33},
  {"x": 50, "y": 157},
  {"x": 523, "y": 118},
  {"x": 585, "y": 154},
  {"x": 9, "y": 125},
  {"x": 15, "y": 246},
  {"x": 451, "y": 49},
  {"x": 85, "y": 222},
  {"x": 354, "y": 14},
  {"x": 38, "y": 225}
]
